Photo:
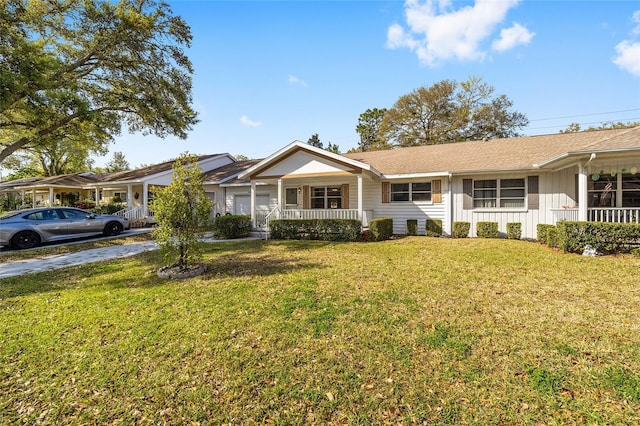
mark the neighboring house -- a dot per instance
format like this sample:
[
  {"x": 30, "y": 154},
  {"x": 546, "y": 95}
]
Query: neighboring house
[
  {"x": 583, "y": 176},
  {"x": 132, "y": 188}
]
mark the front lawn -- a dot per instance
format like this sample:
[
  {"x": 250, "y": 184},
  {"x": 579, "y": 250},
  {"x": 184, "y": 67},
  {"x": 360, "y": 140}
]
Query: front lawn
[{"x": 416, "y": 330}]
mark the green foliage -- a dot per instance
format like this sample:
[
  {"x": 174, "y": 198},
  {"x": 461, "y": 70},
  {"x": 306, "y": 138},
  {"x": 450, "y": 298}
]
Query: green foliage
[
  {"x": 315, "y": 229},
  {"x": 412, "y": 227},
  {"x": 514, "y": 230},
  {"x": 604, "y": 237},
  {"x": 110, "y": 208},
  {"x": 541, "y": 232},
  {"x": 381, "y": 229},
  {"x": 552, "y": 238},
  {"x": 487, "y": 229},
  {"x": 182, "y": 211},
  {"x": 461, "y": 229},
  {"x": 118, "y": 163},
  {"x": 369, "y": 129},
  {"x": 450, "y": 112},
  {"x": 73, "y": 72},
  {"x": 232, "y": 226},
  {"x": 433, "y": 228}
]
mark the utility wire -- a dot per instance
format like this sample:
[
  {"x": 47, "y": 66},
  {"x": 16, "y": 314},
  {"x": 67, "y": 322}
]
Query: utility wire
[{"x": 586, "y": 115}]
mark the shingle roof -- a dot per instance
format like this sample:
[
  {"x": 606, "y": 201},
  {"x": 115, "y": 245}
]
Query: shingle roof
[
  {"x": 146, "y": 171},
  {"x": 499, "y": 154},
  {"x": 69, "y": 180},
  {"x": 224, "y": 173}
]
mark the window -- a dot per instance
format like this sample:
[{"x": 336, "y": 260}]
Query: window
[
  {"x": 326, "y": 197},
  {"x": 416, "y": 191},
  {"x": 602, "y": 191},
  {"x": 291, "y": 196},
  {"x": 504, "y": 193},
  {"x": 630, "y": 190}
]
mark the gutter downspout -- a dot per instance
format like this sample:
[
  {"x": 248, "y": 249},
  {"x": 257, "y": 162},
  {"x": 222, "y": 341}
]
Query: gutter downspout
[
  {"x": 449, "y": 213},
  {"x": 583, "y": 192}
]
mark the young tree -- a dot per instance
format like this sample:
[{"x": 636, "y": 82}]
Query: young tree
[
  {"x": 71, "y": 67},
  {"x": 369, "y": 124},
  {"x": 182, "y": 211}
]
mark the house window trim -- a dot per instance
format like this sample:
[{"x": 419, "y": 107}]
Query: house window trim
[
  {"x": 525, "y": 198},
  {"x": 410, "y": 191}
]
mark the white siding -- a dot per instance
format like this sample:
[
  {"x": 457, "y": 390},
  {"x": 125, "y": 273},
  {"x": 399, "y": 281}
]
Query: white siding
[
  {"x": 556, "y": 189},
  {"x": 400, "y": 212},
  {"x": 270, "y": 190}
]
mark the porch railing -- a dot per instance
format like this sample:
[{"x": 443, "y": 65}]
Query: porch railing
[
  {"x": 319, "y": 214},
  {"x": 615, "y": 215},
  {"x": 599, "y": 214}
]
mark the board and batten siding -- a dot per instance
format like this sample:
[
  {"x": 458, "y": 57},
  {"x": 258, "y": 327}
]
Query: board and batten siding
[
  {"x": 555, "y": 190},
  {"x": 400, "y": 212}
]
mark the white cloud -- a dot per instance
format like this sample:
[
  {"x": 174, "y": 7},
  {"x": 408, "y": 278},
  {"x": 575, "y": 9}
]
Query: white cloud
[
  {"x": 248, "y": 122},
  {"x": 437, "y": 32},
  {"x": 512, "y": 37},
  {"x": 628, "y": 57},
  {"x": 295, "y": 80},
  {"x": 628, "y": 51}
]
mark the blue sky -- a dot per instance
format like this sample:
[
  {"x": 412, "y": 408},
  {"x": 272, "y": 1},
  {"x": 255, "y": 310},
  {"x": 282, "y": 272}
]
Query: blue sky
[{"x": 271, "y": 72}]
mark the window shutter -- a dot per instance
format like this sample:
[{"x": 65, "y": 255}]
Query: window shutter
[
  {"x": 386, "y": 192},
  {"x": 436, "y": 191},
  {"x": 467, "y": 190},
  {"x": 306, "y": 197},
  {"x": 533, "y": 196},
  {"x": 345, "y": 195}
]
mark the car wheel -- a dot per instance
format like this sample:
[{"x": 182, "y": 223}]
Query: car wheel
[
  {"x": 25, "y": 240},
  {"x": 113, "y": 228}
]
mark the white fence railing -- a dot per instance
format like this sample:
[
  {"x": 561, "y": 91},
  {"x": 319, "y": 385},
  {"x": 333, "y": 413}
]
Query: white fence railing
[
  {"x": 616, "y": 215},
  {"x": 599, "y": 214},
  {"x": 566, "y": 214},
  {"x": 319, "y": 214}
]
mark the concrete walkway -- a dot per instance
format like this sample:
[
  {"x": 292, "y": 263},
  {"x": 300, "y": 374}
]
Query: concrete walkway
[{"x": 49, "y": 263}]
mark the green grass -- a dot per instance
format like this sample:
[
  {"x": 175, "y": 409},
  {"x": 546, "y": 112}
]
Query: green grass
[{"x": 415, "y": 330}]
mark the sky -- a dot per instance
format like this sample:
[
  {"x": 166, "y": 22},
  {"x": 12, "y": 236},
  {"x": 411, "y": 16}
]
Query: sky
[{"x": 271, "y": 72}]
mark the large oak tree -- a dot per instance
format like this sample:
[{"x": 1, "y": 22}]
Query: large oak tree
[
  {"x": 82, "y": 69},
  {"x": 450, "y": 112}
]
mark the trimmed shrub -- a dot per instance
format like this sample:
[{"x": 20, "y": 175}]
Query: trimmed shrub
[
  {"x": 461, "y": 229},
  {"x": 315, "y": 229},
  {"x": 412, "y": 226},
  {"x": 552, "y": 237},
  {"x": 232, "y": 226},
  {"x": 487, "y": 229},
  {"x": 381, "y": 229},
  {"x": 433, "y": 228},
  {"x": 604, "y": 237},
  {"x": 514, "y": 230},
  {"x": 541, "y": 231}
]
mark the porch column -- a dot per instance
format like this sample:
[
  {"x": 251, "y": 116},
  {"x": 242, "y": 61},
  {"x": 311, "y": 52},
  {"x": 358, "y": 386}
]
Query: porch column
[
  {"x": 145, "y": 198},
  {"x": 253, "y": 203},
  {"x": 582, "y": 193},
  {"x": 51, "y": 200},
  {"x": 360, "y": 197},
  {"x": 33, "y": 198},
  {"x": 97, "y": 196},
  {"x": 280, "y": 194},
  {"x": 129, "y": 196}
]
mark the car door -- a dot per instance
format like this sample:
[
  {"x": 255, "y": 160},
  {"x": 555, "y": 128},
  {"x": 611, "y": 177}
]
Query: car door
[
  {"x": 48, "y": 223},
  {"x": 81, "y": 222}
]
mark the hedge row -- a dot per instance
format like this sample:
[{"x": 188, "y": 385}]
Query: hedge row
[
  {"x": 606, "y": 238},
  {"x": 315, "y": 229},
  {"x": 232, "y": 226},
  {"x": 381, "y": 229}
]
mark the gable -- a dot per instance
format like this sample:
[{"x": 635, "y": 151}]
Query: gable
[{"x": 303, "y": 163}]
